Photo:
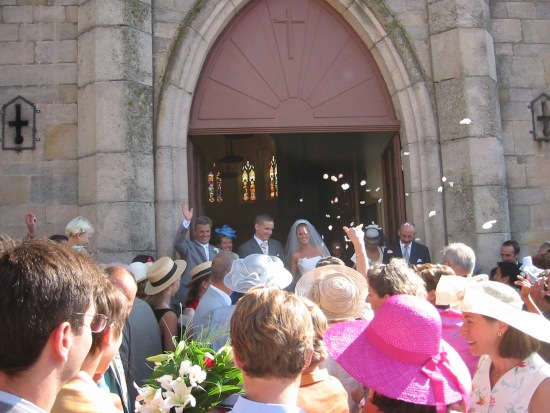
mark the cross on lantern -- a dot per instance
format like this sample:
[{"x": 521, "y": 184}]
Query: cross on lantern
[
  {"x": 545, "y": 118},
  {"x": 18, "y": 124},
  {"x": 289, "y": 22}
]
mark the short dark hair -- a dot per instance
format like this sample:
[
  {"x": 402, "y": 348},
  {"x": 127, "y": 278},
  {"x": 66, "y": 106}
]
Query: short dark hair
[
  {"x": 263, "y": 218},
  {"x": 203, "y": 220},
  {"x": 515, "y": 343},
  {"x": 388, "y": 405},
  {"x": 59, "y": 238},
  {"x": 510, "y": 270},
  {"x": 542, "y": 261},
  {"x": 42, "y": 285},
  {"x": 144, "y": 258},
  {"x": 512, "y": 243}
]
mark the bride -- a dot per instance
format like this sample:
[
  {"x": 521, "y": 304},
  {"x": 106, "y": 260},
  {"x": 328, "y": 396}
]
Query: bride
[{"x": 304, "y": 248}]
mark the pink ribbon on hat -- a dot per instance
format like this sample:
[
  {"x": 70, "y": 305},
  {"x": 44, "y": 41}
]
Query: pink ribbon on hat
[{"x": 432, "y": 367}]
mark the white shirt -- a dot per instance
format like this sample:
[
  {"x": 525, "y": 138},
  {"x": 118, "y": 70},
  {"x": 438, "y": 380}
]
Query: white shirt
[
  {"x": 244, "y": 405},
  {"x": 409, "y": 245},
  {"x": 16, "y": 401}
]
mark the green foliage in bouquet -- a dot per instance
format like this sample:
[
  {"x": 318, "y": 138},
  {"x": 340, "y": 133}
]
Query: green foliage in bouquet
[{"x": 193, "y": 378}]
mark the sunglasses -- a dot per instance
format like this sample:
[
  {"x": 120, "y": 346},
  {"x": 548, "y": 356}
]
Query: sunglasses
[{"x": 98, "y": 323}]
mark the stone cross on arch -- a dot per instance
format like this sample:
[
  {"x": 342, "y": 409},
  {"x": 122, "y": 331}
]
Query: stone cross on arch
[{"x": 289, "y": 22}]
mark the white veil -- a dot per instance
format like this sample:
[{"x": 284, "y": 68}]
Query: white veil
[{"x": 293, "y": 244}]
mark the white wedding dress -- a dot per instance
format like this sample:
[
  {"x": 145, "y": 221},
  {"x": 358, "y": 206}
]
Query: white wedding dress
[{"x": 307, "y": 264}]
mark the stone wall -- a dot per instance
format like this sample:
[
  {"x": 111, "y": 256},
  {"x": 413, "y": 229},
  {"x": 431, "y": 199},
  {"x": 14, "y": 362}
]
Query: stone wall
[{"x": 38, "y": 60}]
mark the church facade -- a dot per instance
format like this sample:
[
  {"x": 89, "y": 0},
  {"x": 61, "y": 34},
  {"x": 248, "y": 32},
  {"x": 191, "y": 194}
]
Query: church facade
[{"x": 112, "y": 91}]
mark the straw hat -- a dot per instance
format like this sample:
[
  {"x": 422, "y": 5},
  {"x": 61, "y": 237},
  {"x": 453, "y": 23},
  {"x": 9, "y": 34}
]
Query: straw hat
[
  {"x": 139, "y": 270},
  {"x": 400, "y": 354},
  {"x": 492, "y": 299},
  {"x": 338, "y": 290},
  {"x": 162, "y": 274},
  {"x": 200, "y": 272},
  {"x": 257, "y": 269}
]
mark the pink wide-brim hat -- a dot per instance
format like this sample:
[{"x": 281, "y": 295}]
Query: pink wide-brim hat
[{"x": 400, "y": 354}]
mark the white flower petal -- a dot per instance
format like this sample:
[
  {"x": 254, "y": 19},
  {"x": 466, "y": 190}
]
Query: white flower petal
[
  {"x": 345, "y": 186},
  {"x": 330, "y": 227},
  {"x": 444, "y": 179},
  {"x": 465, "y": 121},
  {"x": 325, "y": 176},
  {"x": 363, "y": 183},
  {"x": 362, "y": 202},
  {"x": 406, "y": 153},
  {"x": 440, "y": 189},
  {"x": 333, "y": 178},
  {"x": 431, "y": 214}
]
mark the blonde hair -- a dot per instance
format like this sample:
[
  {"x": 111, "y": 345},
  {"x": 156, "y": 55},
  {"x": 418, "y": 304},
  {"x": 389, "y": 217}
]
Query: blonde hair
[
  {"x": 320, "y": 326},
  {"x": 272, "y": 333},
  {"x": 79, "y": 225},
  {"x": 396, "y": 278}
]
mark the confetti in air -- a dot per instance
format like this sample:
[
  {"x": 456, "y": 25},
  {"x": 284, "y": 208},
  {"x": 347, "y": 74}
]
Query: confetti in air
[
  {"x": 406, "y": 153},
  {"x": 465, "y": 121},
  {"x": 345, "y": 186},
  {"x": 417, "y": 240},
  {"x": 431, "y": 214},
  {"x": 330, "y": 227},
  {"x": 362, "y": 202},
  {"x": 363, "y": 183},
  {"x": 440, "y": 189},
  {"x": 340, "y": 176},
  {"x": 301, "y": 199},
  {"x": 406, "y": 194},
  {"x": 377, "y": 189},
  {"x": 444, "y": 179},
  {"x": 351, "y": 224},
  {"x": 380, "y": 201},
  {"x": 367, "y": 190},
  {"x": 489, "y": 224},
  {"x": 338, "y": 217},
  {"x": 327, "y": 215},
  {"x": 332, "y": 202},
  {"x": 333, "y": 178},
  {"x": 336, "y": 200},
  {"x": 325, "y": 176},
  {"x": 451, "y": 184}
]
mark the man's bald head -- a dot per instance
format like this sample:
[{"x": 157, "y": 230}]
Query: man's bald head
[{"x": 123, "y": 279}]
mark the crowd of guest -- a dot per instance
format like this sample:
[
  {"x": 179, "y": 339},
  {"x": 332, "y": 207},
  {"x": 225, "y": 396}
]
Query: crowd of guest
[{"x": 311, "y": 330}]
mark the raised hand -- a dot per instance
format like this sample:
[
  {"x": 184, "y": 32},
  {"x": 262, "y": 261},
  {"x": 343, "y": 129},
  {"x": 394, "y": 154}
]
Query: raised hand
[
  {"x": 30, "y": 221},
  {"x": 186, "y": 211}
]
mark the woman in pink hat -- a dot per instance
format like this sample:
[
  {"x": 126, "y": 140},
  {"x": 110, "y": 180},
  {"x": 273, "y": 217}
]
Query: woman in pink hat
[{"x": 401, "y": 358}]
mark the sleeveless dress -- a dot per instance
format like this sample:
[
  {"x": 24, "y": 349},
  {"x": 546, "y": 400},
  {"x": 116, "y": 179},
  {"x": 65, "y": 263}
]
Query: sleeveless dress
[
  {"x": 513, "y": 391},
  {"x": 307, "y": 264}
]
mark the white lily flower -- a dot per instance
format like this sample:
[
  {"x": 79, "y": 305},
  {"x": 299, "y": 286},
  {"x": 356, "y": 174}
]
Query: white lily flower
[
  {"x": 180, "y": 397},
  {"x": 185, "y": 366},
  {"x": 196, "y": 375},
  {"x": 145, "y": 393},
  {"x": 165, "y": 381}
]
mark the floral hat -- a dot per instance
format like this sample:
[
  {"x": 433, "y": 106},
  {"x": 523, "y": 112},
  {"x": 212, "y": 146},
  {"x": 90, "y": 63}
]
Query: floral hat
[
  {"x": 338, "y": 290},
  {"x": 199, "y": 272},
  {"x": 162, "y": 274},
  {"x": 226, "y": 231},
  {"x": 257, "y": 269},
  {"x": 492, "y": 299},
  {"x": 400, "y": 354}
]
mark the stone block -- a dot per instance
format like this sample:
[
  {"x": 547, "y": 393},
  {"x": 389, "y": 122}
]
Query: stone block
[
  {"x": 56, "y": 52},
  {"x": 60, "y": 215},
  {"x": 71, "y": 14},
  {"x": 17, "y": 14},
  {"x": 212, "y": 18},
  {"x": 61, "y": 142},
  {"x": 9, "y": 32},
  {"x": 391, "y": 66},
  {"x": 527, "y": 72},
  {"x": 475, "y": 98},
  {"x": 522, "y": 10},
  {"x": 540, "y": 218},
  {"x": 416, "y": 5},
  {"x": 63, "y": 73},
  {"x": 520, "y": 219},
  {"x": 61, "y": 189},
  {"x": 503, "y": 49},
  {"x": 66, "y": 31},
  {"x": 498, "y": 9},
  {"x": 16, "y": 53},
  {"x": 165, "y": 30},
  {"x": 14, "y": 190},
  {"x": 54, "y": 113},
  {"x": 516, "y": 175},
  {"x": 523, "y": 140},
  {"x": 452, "y": 14},
  {"x": 543, "y": 10},
  {"x": 537, "y": 168},
  {"x": 525, "y": 196},
  {"x": 168, "y": 132},
  {"x": 507, "y": 31},
  {"x": 49, "y": 14},
  {"x": 363, "y": 21},
  {"x": 87, "y": 180},
  {"x": 37, "y": 32},
  {"x": 103, "y": 13},
  {"x": 535, "y": 50},
  {"x": 515, "y": 111},
  {"x": 473, "y": 54},
  {"x": 481, "y": 161},
  {"x": 535, "y": 31}
]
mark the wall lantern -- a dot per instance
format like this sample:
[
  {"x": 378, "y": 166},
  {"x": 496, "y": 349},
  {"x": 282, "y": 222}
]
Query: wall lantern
[
  {"x": 540, "y": 112},
  {"x": 19, "y": 124}
]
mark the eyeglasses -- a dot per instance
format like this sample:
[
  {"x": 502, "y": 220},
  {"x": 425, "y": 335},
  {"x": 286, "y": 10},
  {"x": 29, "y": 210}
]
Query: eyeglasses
[{"x": 98, "y": 323}]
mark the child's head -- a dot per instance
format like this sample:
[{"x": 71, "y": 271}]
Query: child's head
[{"x": 79, "y": 230}]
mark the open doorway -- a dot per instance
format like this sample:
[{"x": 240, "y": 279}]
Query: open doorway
[{"x": 331, "y": 179}]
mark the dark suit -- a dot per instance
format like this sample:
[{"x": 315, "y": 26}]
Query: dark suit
[
  {"x": 251, "y": 247},
  {"x": 193, "y": 253},
  {"x": 419, "y": 254},
  {"x": 140, "y": 339}
]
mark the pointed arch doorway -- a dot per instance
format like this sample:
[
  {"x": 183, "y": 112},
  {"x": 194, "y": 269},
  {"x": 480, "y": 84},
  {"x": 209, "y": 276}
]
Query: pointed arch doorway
[{"x": 297, "y": 77}]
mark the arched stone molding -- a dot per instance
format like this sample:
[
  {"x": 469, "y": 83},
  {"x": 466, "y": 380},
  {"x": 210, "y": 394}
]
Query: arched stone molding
[{"x": 400, "y": 68}]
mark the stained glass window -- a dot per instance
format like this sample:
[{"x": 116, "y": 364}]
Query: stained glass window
[
  {"x": 215, "y": 186},
  {"x": 273, "y": 179},
  {"x": 249, "y": 182}
]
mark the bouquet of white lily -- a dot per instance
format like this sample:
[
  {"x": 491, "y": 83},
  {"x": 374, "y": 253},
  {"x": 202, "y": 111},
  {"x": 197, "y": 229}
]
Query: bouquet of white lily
[{"x": 194, "y": 378}]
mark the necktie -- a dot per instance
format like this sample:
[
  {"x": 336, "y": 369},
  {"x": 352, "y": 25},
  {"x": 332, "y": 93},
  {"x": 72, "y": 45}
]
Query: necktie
[
  {"x": 263, "y": 246},
  {"x": 406, "y": 253}
]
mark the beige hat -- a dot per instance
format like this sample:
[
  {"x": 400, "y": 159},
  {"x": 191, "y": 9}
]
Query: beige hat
[
  {"x": 492, "y": 299},
  {"x": 162, "y": 274},
  {"x": 199, "y": 272},
  {"x": 338, "y": 290}
]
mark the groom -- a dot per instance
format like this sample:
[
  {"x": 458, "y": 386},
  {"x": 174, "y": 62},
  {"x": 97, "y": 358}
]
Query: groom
[
  {"x": 193, "y": 252},
  {"x": 261, "y": 242}
]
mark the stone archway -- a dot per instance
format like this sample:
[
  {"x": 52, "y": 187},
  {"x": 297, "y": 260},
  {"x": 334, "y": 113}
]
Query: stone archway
[{"x": 394, "y": 57}]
